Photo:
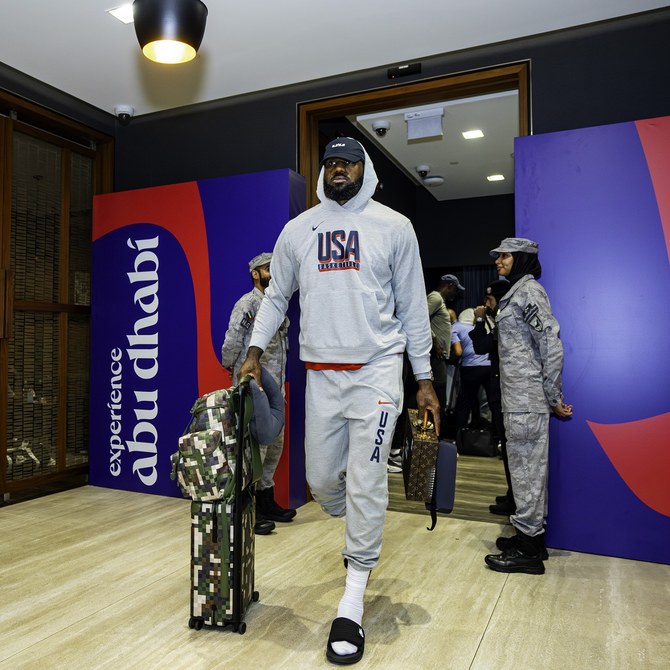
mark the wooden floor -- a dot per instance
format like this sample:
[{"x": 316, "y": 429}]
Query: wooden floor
[
  {"x": 478, "y": 481},
  {"x": 98, "y": 578}
]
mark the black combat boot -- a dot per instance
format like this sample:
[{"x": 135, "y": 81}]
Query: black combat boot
[
  {"x": 269, "y": 509},
  {"x": 504, "y": 507},
  {"x": 506, "y": 543},
  {"x": 262, "y": 525},
  {"x": 525, "y": 555}
]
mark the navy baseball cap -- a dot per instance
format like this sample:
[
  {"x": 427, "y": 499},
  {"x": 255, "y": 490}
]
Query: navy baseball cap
[
  {"x": 344, "y": 147},
  {"x": 453, "y": 280}
]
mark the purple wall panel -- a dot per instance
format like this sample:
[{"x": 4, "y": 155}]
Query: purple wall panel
[
  {"x": 168, "y": 265},
  {"x": 587, "y": 197}
]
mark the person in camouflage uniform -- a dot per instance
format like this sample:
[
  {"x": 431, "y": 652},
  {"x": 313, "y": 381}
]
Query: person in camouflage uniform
[
  {"x": 531, "y": 358},
  {"x": 233, "y": 353}
]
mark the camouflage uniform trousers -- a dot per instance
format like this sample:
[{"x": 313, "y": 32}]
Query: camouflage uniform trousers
[
  {"x": 270, "y": 455},
  {"x": 527, "y": 436}
]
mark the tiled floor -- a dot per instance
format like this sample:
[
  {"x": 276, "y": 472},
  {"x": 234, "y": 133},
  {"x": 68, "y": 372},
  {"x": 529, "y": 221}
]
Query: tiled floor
[{"x": 96, "y": 578}]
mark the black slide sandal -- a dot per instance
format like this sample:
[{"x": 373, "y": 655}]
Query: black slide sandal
[{"x": 345, "y": 630}]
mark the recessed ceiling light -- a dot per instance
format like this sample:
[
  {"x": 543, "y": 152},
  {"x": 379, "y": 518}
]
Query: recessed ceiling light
[
  {"x": 496, "y": 177},
  {"x": 433, "y": 181},
  {"x": 123, "y": 12},
  {"x": 472, "y": 134}
]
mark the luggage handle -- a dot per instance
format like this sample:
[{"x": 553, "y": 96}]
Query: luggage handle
[
  {"x": 424, "y": 422},
  {"x": 245, "y": 410}
]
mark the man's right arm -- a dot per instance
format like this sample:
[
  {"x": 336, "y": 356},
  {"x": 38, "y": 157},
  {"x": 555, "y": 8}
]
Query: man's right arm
[
  {"x": 252, "y": 365},
  {"x": 273, "y": 308}
]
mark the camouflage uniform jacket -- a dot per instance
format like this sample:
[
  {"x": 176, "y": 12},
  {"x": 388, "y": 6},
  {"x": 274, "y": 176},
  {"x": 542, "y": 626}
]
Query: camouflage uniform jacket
[
  {"x": 238, "y": 335},
  {"x": 531, "y": 355}
]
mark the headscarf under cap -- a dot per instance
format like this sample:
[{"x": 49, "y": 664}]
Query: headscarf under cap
[{"x": 524, "y": 264}]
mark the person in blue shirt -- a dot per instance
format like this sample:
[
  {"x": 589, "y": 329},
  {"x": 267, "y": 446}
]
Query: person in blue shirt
[{"x": 475, "y": 370}]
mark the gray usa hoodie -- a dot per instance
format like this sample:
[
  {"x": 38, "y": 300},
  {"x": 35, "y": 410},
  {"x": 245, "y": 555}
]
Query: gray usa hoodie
[{"x": 362, "y": 294}]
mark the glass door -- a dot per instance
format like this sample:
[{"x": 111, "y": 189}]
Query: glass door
[{"x": 45, "y": 325}]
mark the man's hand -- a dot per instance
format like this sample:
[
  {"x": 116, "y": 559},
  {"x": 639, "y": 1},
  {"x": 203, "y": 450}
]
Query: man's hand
[
  {"x": 252, "y": 365},
  {"x": 480, "y": 312},
  {"x": 426, "y": 399},
  {"x": 562, "y": 409}
]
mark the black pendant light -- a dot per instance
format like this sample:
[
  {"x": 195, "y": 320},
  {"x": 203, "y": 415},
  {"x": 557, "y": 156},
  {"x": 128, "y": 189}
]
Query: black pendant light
[{"x": 169, "y": 31}]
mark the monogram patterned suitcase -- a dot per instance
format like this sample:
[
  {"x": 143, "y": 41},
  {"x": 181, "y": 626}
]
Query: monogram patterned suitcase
[
  {"x": 419, "y": 456},
  {"x": 429, "y": 467}
]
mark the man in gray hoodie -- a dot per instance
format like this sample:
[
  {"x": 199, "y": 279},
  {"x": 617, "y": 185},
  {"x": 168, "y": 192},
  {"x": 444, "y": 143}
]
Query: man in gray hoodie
[{"x": 362, "y": 304}]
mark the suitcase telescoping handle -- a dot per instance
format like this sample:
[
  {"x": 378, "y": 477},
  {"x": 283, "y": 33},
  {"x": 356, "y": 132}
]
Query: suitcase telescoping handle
[{"x": 242, "y": 425}]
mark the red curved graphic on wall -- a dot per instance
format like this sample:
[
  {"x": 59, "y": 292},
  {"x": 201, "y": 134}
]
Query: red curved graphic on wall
[
  {"x": 655, "y": 138},
  {"x": 640, "y": 453},
  {"x": 178, "y": 210}
]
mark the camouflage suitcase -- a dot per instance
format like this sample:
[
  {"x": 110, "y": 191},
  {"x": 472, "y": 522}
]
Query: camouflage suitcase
[
  {"x": 222, "y": 562},
  {"x": 223, "y": 510}
]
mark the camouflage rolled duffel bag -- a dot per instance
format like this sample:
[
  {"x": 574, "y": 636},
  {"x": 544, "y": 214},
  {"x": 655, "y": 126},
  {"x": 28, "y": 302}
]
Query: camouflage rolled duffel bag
[
  {"x": 205, "y": 461},
  {"x": 205, "y": 464}
]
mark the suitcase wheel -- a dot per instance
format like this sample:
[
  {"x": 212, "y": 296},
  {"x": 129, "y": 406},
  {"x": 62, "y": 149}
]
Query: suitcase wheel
[
  {"x": 196, "y": 622},
  {"x": 255, "y": 596},
  {"x": 240, "y": 628}
]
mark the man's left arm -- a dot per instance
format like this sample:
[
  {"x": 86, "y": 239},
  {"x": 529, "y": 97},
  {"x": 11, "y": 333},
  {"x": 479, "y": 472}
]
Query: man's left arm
[{"x": 412, "y": 311}]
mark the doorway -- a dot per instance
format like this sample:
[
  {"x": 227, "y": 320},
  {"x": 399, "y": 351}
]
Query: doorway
[
  {"x": 479, "y": 83},
  {"x": 474, "y": 488}
]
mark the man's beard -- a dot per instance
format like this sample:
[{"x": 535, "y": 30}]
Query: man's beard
[
  {"x": 264, "y": 281},
  {"x": 343, "y": 193}
]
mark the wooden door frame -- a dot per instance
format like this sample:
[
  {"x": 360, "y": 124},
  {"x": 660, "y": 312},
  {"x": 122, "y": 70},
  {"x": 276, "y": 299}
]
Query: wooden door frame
[{"x": 480, "y": 82}]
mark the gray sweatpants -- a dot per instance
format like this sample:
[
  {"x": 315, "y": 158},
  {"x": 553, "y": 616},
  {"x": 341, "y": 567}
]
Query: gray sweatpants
[
  {"x": 528, "y": 454},
  {"x": 350, "y": 417}
]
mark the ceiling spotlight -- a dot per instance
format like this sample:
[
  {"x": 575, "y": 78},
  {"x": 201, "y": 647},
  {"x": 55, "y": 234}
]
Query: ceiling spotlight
[
  {"x": 496, "y": 177},
  {"x": 123, "y": 13},
  {"x": 472, "y": 134},
  {"x": 423, "y": 170},
  {"x": 170, "y": 31},
  {"x": 433, "y": 181},
  {"x": 381, "y": 127}
]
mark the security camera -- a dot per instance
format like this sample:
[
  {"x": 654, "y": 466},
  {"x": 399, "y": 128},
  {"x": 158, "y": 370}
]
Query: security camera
[
  {"x": 381, "y": 127},
  {"x": 124, "y": 113},
  {"x": 423, "y": 170}
]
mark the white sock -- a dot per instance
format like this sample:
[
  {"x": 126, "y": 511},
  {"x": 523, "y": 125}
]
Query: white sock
[{"x": 351, "y": 604}]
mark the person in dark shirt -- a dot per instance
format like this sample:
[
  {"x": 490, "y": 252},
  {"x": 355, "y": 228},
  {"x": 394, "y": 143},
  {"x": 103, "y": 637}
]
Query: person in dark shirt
[{"x": 485, "y": 341}]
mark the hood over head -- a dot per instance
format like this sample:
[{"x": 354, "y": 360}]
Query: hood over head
[{"x": 359, "y": 201}]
